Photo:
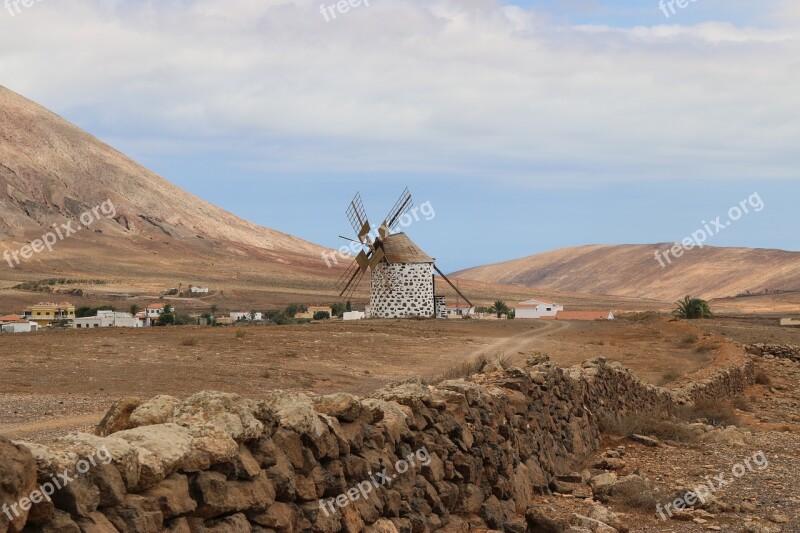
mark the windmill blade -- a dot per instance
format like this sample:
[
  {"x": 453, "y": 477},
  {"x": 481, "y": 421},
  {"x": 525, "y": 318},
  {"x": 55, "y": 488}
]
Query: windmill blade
[
  {"x": 347, "y": 277},
  {"x": 357, "y": 268},
  {"x": 357, "y": 216},
  {"x": 401, "y": 207},
  {"x": 354, "y": 285}
]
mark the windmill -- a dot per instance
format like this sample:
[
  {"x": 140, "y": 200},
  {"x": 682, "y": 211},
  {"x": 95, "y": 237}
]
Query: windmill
[{"x": 402, "y": 275}]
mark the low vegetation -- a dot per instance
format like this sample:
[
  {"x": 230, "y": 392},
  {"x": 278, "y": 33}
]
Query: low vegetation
[
  {"x": 191, "y": 341},
  {"x": 692, "y": 309}
]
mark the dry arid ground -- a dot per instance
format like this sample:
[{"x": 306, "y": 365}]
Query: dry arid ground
[
  {"x": 58, "y": 380},
  {"x": 55, "y": 382}
]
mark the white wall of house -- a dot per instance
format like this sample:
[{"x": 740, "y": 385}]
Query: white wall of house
[
  {"x": 199, "y": 290},
  {"x": 246, "y": 316},
  {"x": 790, "y": 321},
  {"x": 19, "y": 327},
  {"x": 354, "y": 315},
  {"x": 154, "y": 313},
  {"x": 537, "y": 309},
  {"x": 90, "y": 322}
]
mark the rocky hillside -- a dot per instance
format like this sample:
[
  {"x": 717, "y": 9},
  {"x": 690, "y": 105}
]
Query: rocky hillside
[
  {"x": 51, "y": 172},
  {"x": 633, "y": 271}
]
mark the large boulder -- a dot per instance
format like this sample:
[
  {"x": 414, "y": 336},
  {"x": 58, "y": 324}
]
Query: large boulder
[
  {"x": 155, "y": 411},
  {"x": 230, "y": 412},
  {"x": 118, "y": 417},
  {"x": 17, "y": 481}
]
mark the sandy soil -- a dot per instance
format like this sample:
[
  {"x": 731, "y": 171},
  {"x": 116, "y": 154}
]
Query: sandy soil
[{"x": 55, "y": 381}]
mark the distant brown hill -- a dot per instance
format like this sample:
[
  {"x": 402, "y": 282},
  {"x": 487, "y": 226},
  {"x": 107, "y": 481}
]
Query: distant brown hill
[{"x": 632, "y": 271}]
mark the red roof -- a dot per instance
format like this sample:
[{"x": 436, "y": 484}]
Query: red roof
[
  {"x": 10, "y": 318},
  {"x": 156, "y": 306}
]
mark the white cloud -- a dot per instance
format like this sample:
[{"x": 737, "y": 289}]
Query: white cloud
[{"x": 464, "y": 88}]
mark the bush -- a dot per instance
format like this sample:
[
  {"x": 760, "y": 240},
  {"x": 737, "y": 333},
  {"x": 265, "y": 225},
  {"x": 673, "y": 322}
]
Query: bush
[
  {"x": 650, "y": 424},
  {"x": 668, "y": 377},
  {"x": 241, "y": 334},
  {"x": 692, "y": 308},
  {"x": 189, "y": 342},
  {"x": 762, "y": 378},
  {"x": 717, "y": 413},
  {"x": 322, "y": 315}
]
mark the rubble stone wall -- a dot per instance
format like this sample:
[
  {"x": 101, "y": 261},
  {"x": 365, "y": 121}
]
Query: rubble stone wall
[
  {"x": 783, "y": 351},
  {"x": 220, "y": 463}
]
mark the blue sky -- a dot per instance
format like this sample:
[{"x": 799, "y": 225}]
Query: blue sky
[{"x": 529, "y": 126}]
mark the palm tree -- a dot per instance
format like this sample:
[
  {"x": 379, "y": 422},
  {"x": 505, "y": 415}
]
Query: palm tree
[
  {"x": 692, "y": 308},
  {"x": 500, "y": 308}
]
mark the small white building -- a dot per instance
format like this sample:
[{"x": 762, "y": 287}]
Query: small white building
[
  {"x": 110, "y": 319},
  {"x": 246, "y": 316},
  {"x": 536, "y": 309},
  {"x": 789, "y": 322},
  {"x": 459, "y": 311},
  {"x": 154, "y": 310},
  {"x": 22, "y": 326},
  {"x": 199, "y": 290},
  {"x": 354, "y": 315}
]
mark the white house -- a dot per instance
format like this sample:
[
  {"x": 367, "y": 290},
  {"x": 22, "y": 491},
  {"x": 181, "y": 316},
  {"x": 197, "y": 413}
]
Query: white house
[
  {"x": 537, "y": 309},
  {"x": 459, "y": 310},
  {"x": 110, "y": 319},
  {"x": 21, "y": 326},
  {"x": 154, "y": 310},
  {"x": 198, "y": 290},
  {"x": 790, "y": 322},
  {"x": 354, "y": 315},
  {"x": 247, "y": 316}
]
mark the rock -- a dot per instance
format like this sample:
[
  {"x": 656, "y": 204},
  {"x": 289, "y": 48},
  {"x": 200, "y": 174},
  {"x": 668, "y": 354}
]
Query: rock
[
  {"x": 344, "y": 407},
  {"x": 609, "y": 463},
  {"x": 62, "y": 523},
  {"x": 217, "y": 496},
  {"x": 296, "y": 413},
  {"x": 545, "y": 519},
  {"x": 172, "y": 496},
  {"x": 645, "y": 441},
  {"x": 595, "y": 526},
  {"x": 155, "y": 411},
  {"x": 230, "y": 412},
  {"x": 17, "y": 481},
  {"x": 602, "y": 514},
  {"x": 601, "y": 485},
  {"x": 137, "y": 514},
  {"x": 213, "y": 442},
  {"x": 779, "y": 518},
  {"x": 118, "y": 417},
  {"x": 96, "y": 523},
  {"x": 162, "y": 450},
  {"x": 383, "y": 525}
]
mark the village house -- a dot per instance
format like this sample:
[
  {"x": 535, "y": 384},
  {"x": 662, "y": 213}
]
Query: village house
[
  {"x": 199, "y": 290},
  {"x": 313, "y": 310},
  {"x": 536, "y": 309},
  {"x": 111, "y": 319},
  {"x": 459, "y": 311},
  {"x": 45, "y": 313},
  {"x": 154, "y": 310},
  {"x": 246, "y": 316}
]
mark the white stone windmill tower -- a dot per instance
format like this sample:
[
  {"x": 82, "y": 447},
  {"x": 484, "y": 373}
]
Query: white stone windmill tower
[{"x": 403, "y": 282}]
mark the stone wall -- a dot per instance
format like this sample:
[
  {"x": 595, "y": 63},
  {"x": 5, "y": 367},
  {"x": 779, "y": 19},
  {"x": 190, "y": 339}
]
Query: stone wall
[
  {"x": 783, "y": 351},
  {"x": 220, "y": 463}
]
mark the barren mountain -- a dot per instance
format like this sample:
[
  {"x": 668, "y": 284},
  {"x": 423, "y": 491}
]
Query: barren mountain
[
  {"x": 151, "y": 234},
  {"x": 632, "y": 270}
]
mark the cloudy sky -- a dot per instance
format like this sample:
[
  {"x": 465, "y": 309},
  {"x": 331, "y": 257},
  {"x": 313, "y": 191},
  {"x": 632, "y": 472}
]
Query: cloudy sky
[{"x": 529, "y": 125}]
